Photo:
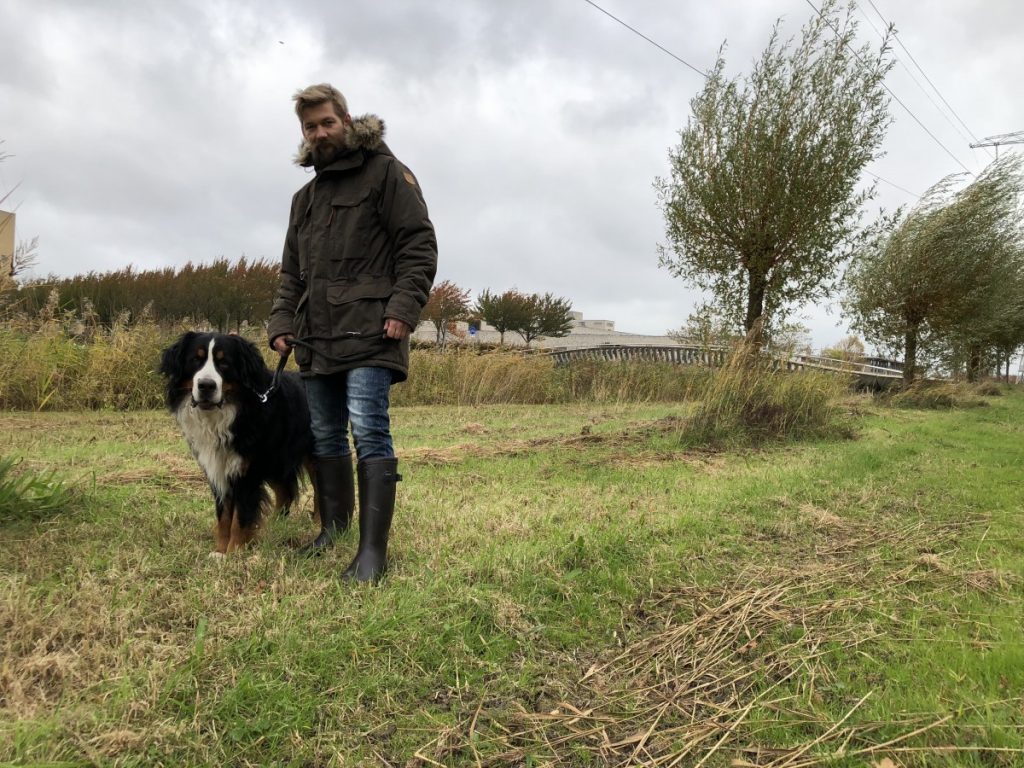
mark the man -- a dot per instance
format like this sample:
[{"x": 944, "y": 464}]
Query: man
[{"x": 359, "y": 260}]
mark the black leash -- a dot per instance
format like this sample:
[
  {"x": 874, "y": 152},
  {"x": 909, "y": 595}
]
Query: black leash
[
  {"x": 276, "y": 381},
  {"x": 292, "y": 343}
]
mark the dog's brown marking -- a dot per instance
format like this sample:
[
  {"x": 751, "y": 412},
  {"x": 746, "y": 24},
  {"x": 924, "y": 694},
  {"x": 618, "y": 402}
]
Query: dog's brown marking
[
  {"x": 310, "y": 466},
  {"x": 280, "y": 497},
  {"x": 239, "y": 535},
  {"x": 222, "y": 528},
  {"x": 201, "y": 353}
]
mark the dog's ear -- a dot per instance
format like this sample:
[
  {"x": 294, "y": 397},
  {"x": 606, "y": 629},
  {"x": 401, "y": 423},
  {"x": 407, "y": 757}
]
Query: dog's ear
[
  {"x": 172, "y": 361},
  {"x": 250, "y": 362}
]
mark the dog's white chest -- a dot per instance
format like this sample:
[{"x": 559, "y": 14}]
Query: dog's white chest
[{"x": 209, "y": 436}]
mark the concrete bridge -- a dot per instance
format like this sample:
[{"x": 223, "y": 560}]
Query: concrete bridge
[{"x": 867, "y": 375}]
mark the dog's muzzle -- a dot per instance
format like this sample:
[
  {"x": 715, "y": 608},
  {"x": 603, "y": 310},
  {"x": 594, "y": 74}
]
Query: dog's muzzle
[{"x": 208, "y": 395}]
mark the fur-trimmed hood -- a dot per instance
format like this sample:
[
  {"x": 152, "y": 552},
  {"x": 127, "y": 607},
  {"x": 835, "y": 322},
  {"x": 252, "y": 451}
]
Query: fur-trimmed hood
[{"x": 366, "y": 132}]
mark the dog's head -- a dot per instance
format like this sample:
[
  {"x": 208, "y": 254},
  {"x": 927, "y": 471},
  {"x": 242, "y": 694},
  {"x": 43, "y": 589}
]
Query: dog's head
[{"x": 211, "y": 369}]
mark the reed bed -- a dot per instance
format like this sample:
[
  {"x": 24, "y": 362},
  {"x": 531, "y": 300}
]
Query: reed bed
[{"x": 61, "y": 365}]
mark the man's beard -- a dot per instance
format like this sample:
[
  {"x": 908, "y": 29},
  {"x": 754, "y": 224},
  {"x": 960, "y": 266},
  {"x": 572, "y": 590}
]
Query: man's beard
[{"x": 326, "y": 151}]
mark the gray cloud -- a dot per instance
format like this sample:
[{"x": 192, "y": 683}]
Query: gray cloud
[{"x": 153, "y": 133}]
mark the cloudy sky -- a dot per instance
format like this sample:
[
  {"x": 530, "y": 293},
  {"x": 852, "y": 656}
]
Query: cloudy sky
[{"x": 153, "y": 133}]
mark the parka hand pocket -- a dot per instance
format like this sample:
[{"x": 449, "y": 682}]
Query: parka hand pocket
[{"x": 357, "y": 307}]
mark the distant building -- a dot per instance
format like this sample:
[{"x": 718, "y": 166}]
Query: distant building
[
  {"x": 6, "y": 237},
  {"x": 584, "y": 333}
]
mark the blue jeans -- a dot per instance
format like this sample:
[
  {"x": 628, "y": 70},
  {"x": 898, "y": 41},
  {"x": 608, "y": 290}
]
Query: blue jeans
[{"x": 359, "y": 397}]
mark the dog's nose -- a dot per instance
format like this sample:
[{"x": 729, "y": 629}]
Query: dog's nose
[{"x": 206, "y": 387}]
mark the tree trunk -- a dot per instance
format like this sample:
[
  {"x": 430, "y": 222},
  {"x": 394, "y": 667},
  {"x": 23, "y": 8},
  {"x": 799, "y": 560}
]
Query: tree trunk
[
  {"x": 973, "y": 363},
  {"x": 754, "y": 321},
  {"x": 909, "y": 355},
  {"x": 755, "y": 300}
]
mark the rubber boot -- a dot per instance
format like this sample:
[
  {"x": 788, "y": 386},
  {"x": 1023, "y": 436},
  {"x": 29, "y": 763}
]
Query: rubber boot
[
  {"x": 377, "y": 479},
  {"x": 334, "y": 487}
]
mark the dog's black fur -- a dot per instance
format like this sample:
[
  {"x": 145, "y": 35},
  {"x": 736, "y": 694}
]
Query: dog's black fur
[{"x": 214, "y": 383}]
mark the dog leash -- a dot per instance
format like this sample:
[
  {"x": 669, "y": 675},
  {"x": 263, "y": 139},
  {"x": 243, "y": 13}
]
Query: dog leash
[
  {"x": 292, "y": 343},
  {"x": 276, "y": 381}
]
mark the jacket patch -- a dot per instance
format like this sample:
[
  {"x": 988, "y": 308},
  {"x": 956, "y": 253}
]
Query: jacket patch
[{"x": 409, "y": 177}]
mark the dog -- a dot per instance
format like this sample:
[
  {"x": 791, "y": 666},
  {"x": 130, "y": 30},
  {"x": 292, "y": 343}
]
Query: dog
[{"x": 246, "y": 428}]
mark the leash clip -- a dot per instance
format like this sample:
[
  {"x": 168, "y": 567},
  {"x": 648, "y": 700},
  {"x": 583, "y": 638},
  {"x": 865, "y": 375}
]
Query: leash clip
[{"x": 264, "y": 397}]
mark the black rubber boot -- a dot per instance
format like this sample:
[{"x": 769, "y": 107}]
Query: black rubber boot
[
  {"x": 377, "y": 479},
  {"x": 335, "y": 492}
]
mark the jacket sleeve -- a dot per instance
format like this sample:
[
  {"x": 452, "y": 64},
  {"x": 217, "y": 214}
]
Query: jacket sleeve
[
  {"x": 404, "y": 213},
  {"x": 292, "y": 284}
]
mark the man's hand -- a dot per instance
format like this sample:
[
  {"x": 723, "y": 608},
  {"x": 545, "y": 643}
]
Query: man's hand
[
  {"x": 396, "y": 329},
  {"x": 280, "y": 344}
]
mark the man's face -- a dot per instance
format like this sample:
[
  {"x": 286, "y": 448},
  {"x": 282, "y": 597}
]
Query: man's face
[{"x": 324, "y": 131}]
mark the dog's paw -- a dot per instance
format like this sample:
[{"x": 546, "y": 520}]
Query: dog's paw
[{"x": 216, "y": 555}]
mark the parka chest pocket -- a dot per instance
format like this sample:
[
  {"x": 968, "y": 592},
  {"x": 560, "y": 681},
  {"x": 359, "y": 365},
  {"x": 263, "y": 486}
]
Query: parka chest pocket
[{"x": 349, "y": 224}]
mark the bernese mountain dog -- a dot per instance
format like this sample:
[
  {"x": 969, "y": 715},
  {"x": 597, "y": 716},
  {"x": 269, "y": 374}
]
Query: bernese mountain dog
[{"x": 246, "y": 428}]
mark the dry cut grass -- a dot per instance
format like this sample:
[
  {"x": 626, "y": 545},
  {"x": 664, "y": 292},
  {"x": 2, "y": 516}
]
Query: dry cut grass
[{"x": 709, "y": 672}]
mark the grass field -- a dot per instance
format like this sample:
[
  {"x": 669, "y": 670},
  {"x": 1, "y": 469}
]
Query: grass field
[{"x": 569, "y": 586}]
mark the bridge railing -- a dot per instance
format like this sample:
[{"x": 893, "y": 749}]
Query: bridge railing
[
  {"x": 683, "y": 354},
  {"x": 680, "y": 355},
  {"x": 801, "y": 362}
]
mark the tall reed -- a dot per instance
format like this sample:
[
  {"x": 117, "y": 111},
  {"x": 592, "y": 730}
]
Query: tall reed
[
  {"x": 61, "y": 364},
  {"x": 751, "y": 400}
]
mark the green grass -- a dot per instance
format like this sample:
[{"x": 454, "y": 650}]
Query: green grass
[
  {"x": 564, "y": 580},
  {"x": 29, "y": 494}
]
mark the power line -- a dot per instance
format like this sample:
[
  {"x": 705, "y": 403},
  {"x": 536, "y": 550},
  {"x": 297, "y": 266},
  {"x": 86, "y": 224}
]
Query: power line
[
  {"x": 704, "y": 74},
  {"x": 892, "y": 184},
  {"x": 897, "y": 98},
  {"x": 925, "y": 75},
  {"x": 910, "y": 74},
  {"x": 645, "y": 37}
]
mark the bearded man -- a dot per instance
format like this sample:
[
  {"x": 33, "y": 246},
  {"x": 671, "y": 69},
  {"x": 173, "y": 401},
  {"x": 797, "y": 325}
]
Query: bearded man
[{"x": 359, "y": 260}]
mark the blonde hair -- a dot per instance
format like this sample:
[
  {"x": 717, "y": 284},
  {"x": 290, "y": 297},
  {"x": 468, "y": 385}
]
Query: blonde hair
[{"x": 315, "y": 95}]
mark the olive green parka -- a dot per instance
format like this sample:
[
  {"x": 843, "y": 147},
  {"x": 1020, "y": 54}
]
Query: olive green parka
[{"x": 360, "y": 248}]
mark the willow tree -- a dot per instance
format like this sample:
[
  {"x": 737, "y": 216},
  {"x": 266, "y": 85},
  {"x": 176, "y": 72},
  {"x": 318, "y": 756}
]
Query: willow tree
[
  {"x": 938, "y": 277},
  {"x": 762, "y": 204}
]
